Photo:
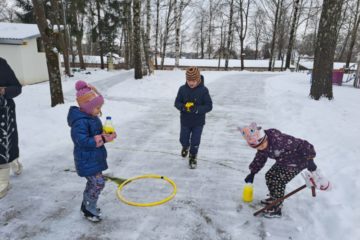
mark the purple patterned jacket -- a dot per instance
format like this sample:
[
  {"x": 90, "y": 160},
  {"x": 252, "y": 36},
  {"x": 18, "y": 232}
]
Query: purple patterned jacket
[{"x": 288, "y": 152}]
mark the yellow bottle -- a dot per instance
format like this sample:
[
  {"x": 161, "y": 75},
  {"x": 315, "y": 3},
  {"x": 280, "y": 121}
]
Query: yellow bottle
[
  {"x": 108, "y": 126},
  {"x": 188, "y": 105},
  {"x": 248, "y": 193}
]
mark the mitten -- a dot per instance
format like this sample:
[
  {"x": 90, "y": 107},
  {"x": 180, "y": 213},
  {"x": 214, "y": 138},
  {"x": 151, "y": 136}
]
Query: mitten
[
  {"x": 250, "y": 178},
  {"x": 108, "y": 137},
  {"x": 99, "y": 140},
  {"x": 311, "y": 165}
]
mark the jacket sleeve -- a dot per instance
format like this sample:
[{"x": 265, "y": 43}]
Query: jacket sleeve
[
  {"x": 259, "y": 162},
  {"x": 13, "y": 87},
  {"x": 207, "y": 106},
  {"x": 80, "y": 135},
  {"x": 307, "y": 150},
  {"x": 179, "y": 104}
]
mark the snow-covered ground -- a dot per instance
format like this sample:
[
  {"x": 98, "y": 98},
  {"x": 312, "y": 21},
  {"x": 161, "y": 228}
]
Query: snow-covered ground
[{"x": 44, "y": 201}]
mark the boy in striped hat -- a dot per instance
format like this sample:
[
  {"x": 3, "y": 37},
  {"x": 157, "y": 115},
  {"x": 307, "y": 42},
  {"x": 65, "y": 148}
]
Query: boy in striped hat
[{"x": 193, "y": 101}]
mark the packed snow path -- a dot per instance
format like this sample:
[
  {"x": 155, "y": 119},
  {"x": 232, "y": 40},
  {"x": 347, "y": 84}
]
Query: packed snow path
[{"x": 45, "y": 200}]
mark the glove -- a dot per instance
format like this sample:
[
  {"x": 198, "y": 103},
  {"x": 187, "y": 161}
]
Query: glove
[
  {"x": 317, "y": 180},
  {"x": 108, "y": 137},
  {"x": 99, "y": 140},
  {"x": 311, "y": 165},
  {"x": 249, "y": 178}
]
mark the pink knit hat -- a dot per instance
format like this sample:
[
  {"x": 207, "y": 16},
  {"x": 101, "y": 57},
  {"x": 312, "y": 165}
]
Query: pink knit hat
[
  {"x": 87, "y": 97},
  {"x": 253, "y": 135}
]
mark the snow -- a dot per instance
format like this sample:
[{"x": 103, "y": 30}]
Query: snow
[
  {"x": 44, "y": 202},
  {"x": 18, "y": 30}
]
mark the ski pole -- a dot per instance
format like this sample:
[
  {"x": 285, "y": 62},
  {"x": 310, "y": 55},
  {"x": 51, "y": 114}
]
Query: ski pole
[{"x": 279, "y": 200}]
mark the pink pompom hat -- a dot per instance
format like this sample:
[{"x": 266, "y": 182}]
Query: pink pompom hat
[{"x": 87, "y": 97}]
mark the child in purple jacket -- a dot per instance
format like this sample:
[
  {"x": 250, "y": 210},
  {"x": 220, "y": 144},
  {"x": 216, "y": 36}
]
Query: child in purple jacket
[{"x": 291, "y": 154}]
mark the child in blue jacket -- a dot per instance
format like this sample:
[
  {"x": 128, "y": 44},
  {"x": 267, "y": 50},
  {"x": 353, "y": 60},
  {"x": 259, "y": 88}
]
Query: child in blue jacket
[
  {"x": 89, "y": 150},
  {"x": 193, "y": 101}
]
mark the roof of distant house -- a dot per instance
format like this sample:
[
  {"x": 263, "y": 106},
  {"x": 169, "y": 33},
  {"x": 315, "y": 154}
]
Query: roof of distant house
[{"x": 15, "y": 33}]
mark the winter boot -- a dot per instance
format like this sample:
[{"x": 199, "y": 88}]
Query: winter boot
[
  {"x": 16, "y": 166},
  {"x": 192, "y": 161},
  {"x": 4, "y": 179},
  {"x": 267, "y": 201},
  {"x": 273, "y": 212},
  {"x": 88, "y": 208},
  {"x": 184, "y": 152}
]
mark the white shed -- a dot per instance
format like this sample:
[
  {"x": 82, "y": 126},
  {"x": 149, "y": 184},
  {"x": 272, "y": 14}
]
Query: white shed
[{"x": 21, "y": 47}]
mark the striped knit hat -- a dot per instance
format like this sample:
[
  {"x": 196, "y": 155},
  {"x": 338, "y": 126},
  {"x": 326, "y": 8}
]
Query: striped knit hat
[
  {"x": 193, "y": 74},
  {"x": 87, "y": 97}
]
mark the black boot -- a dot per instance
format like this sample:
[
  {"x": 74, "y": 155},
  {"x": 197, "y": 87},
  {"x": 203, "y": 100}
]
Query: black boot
[
  {"x": 267, "y": 201},
  {"x": 184, "y": 151},
  {"x": 192, "y": 161},
  {"x": 274, "y": 211},
  {"x": 91, "y": 217}
]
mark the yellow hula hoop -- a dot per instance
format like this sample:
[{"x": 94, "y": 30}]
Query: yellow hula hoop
[{"x": 150, "y": 204}]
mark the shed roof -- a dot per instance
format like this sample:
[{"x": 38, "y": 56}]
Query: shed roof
[{"x": 15, "y": 33}]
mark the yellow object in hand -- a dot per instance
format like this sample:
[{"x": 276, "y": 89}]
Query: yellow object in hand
[
  {"x": 108, "y": 127},
  {"x": 248, "y": 193},
  {"x": 188, "y": 105}
]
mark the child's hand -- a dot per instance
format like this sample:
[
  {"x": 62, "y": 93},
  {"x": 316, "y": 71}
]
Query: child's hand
[
  {"x": 108, "y": 137},
  {"x": 99, "y": 140},
  {"x": 249, "y": 178}
]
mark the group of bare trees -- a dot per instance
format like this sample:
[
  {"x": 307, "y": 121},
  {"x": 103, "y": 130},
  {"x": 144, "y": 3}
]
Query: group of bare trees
[{"x": 143, "y": 31}]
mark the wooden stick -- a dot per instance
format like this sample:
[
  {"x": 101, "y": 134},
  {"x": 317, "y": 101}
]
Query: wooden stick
[{"x": 279, "y": 200}]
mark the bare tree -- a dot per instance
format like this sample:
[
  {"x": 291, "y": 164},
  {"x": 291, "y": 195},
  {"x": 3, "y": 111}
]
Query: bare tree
[
  {"x": 325, "y": 50},
  {"x": 168, "y": 23},
  {"x": 353, "y": 33},
  {"x": 229, "y": 37},
  {"x": 157, "y": 31},
  {"x": 137, "y": 39},
  {"x": 258, "y": 25},
  {"x": 278, "y": 8},
  {"x": 244, "y": 7},
  {"x": 49, "y": 39},
  {"x": 292, "y": 34}
]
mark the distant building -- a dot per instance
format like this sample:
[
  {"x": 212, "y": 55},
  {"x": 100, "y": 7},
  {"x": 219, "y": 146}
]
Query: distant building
[{"x": 21, "y": 47}]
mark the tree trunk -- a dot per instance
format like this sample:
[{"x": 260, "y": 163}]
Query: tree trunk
[
  {"x": 166, "y": 34},
  {"x": 353, "y": 34},
  {"x": 357, "y": 75},
  {"x": 325, "y": 50},
  {"x": 243, "y": 29},
  {"x": 137, "y": 39},
  {"x": 100, "y": 37},
  {"x": 157, "y": 32},
  {"x": 272, "y": 48},
  {"x": 227, "y": 53},
  {"x": 48, "y": 38},
  {"x": 292, "y": 34},
  {"x": 202, "y": 39}
]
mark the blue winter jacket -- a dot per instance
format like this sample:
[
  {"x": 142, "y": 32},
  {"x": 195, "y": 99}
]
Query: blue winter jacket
[
  {"x": 89, "y": 159},
  {"x": 200, "y": 97}
]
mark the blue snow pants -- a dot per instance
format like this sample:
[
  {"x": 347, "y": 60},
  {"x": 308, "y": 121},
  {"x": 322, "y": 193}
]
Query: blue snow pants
[{"x": 190, "y": 137}]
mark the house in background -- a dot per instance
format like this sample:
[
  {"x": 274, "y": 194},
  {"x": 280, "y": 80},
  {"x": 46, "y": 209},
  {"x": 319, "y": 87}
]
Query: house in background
[{"x": 21, "y": 47}]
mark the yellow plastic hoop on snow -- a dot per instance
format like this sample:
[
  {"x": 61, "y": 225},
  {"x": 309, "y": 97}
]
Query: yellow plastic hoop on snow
[{"x": 150, "y": 204}]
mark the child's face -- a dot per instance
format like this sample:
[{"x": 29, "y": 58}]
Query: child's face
[
  {"x": 192, "y": 83},
  {"x": 96, "y": 111}
]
